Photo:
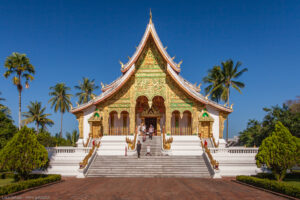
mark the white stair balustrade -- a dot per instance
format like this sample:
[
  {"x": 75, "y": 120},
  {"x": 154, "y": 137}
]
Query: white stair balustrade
[
  {"x": 236, "y": 160},
  {"x": 65, "y": 160}
]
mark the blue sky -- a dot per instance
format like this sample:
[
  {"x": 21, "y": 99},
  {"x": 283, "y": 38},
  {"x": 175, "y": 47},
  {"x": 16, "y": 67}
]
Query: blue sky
[{"x": 68, "y": 40}]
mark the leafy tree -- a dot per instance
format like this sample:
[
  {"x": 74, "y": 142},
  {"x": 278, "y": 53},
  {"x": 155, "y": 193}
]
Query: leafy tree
[
  {"x": 72, "y": 138},
  {"x": 46, "y": 139},
  {"x": 4, "y": 109},
  {"x": 19, "y": 65},
  {"x": 23, "y": 153},
  {"x": 279, "y": 151},
  {"x": 256, "y": 132},
  {"x": 86, "y": 88},
  {"x": 60, "y": 100},
  {"x": 294, "y": 105},
  {"x": 285, "y": 116},
  {"x": 250, "y": 136},
  {"x": 7, "y": 129},
  {"x": 36, "y": 114},
  {"x": 221, "y": 79}
]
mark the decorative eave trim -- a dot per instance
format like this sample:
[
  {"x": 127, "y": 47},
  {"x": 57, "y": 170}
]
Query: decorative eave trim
[
  {"x": 108, "y": 93},
  {"x": 195, "y": 94},
  {"x": 150, "y": 30}
]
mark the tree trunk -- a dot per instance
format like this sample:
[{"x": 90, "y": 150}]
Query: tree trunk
[
  {"x": 37, "y": 128},
  {"x": 19, "y": 108},
  {"x": 227, "y": 116},
  {"x": 61, "y": 122}
]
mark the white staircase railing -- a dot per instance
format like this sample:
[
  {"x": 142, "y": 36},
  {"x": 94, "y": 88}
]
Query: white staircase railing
[{"x": 234, "y": 150}]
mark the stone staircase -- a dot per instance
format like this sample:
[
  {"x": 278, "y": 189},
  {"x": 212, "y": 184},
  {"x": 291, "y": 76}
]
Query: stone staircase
[
  {"x": 155, "y": 145},
  {"x": 155, "y": 165},
  {"x": 148, "y": 166}
]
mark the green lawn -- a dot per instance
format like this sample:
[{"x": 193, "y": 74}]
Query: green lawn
[{"x": 6, "y": 181}]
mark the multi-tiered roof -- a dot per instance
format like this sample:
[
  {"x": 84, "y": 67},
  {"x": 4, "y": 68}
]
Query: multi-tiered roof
[{"x": 129, "y": 68}]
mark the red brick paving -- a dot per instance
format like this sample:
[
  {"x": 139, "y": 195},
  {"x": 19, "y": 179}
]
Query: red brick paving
[{"x": 147, "y": 188}]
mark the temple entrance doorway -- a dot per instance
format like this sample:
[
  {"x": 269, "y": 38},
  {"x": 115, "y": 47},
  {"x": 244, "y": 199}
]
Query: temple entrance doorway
[
  {"x": 151, "y": 112},
  {"x": 149, "y": 121}
]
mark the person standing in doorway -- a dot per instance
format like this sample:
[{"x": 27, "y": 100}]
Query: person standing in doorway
[
  {"x": 151, "y": 131},
  {"x": 138, "y": 148}
]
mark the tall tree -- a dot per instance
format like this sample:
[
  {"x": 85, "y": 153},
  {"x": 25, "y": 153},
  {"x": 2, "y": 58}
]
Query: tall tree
[
  {"x": 86, "y": 88},
  {"x": 36, "y": 114},
  {"x": 20, "y": 67},
  {"x": 221, "y": 79},
  {"x": 61, "y": 100},
  {"x": 73, "y": 137}
]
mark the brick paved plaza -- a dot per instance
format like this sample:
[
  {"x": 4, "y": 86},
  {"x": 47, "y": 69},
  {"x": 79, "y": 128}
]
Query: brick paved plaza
[{"x": 147, "y": 188}]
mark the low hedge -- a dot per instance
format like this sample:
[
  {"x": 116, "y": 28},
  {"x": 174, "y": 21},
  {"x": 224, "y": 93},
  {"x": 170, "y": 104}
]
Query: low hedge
[
  {"x": 272, "y": 185},
  {"x": 22, "y": 185},
  {"x": 293, "y": 175}
]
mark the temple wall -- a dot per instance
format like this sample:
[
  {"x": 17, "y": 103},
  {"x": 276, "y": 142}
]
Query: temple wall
[
  {"x": 86, "y": 126},
  {"x": 215, "y": 115}
]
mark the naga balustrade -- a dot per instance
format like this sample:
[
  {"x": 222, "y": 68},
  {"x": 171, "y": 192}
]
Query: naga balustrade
[
  {"x": 166, "y": 142},
  {"x": 85, "y": 161},
  {"x": 132, "y": 143},
  {"x": 213, "y": 162}
]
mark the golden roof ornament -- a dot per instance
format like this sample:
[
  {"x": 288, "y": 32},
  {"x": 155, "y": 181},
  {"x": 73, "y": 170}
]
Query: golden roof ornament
[
  {"x": 231, "y": 106},
  {"x": 77, "y": 104},
  {"x": 150, "y": 14},
  {"x": 199, "y": 87},
  {"x": 178, "y": 65},
  {"x": 166, "y": 48},
  {"x": 71, "y": 106},
  {"x": 128, "y": 57},
  {"x": 102, "y": 85},
  {"x": 122, "y": 65},
  {"x": 173, "y": 58}
]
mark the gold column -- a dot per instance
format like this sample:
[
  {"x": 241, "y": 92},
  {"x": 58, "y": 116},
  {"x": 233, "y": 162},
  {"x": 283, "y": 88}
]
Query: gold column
[
  {"x": 132, "y": 118},
  {"x": 194, "y": 121},
  {"x": 79, "y": 118},
  {"x": 158, "y": 127},
  {"x": 168, "y": 112},
  {"x": 222, "y": 118},
  {"x": 105, "y": 121}
]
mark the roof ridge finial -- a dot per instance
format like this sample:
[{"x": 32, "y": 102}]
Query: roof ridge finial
[{"x": 150, "y": 14}]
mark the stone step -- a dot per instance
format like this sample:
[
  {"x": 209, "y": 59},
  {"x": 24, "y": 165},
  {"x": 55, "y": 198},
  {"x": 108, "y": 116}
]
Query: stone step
[{"x": 150, "y": 175}]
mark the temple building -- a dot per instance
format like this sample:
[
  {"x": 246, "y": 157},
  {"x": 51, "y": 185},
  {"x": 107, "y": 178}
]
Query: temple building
[
  {"x": 188, "y": 138},
  {"x": 151, "y": 90}
]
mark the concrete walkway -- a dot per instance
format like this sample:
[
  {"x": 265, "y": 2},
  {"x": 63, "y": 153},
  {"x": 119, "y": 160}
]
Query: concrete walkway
[{"x": 147, "y": 188}]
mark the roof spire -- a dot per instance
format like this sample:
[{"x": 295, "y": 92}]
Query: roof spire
[{"x": 150, "y": 14}]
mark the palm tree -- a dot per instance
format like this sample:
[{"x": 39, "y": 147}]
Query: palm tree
[
  {"x": 36, "y": 114},
  {"x": 221, "y": 79},
  {"x": 86, "y": 90},
  {"x": 60, "y": 100},
  {"x": 19, "y": 65},
  {"x": 73, "y": 137}
]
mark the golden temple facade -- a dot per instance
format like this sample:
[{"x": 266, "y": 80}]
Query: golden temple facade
[{"x": 151, "y": 90}]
